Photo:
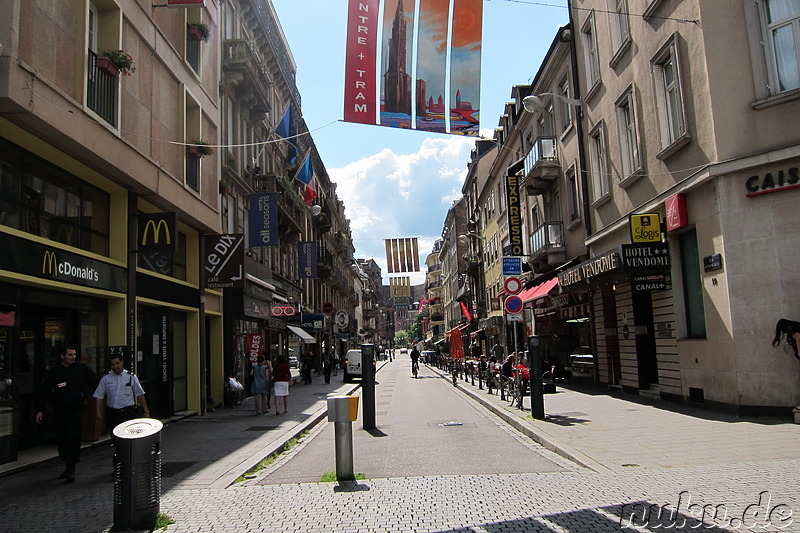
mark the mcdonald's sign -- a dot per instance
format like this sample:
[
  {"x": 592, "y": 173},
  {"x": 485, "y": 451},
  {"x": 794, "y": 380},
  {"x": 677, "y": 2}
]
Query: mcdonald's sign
[
  {"x": 49, "y": 264},
  {"x": 158, "y": 232}
]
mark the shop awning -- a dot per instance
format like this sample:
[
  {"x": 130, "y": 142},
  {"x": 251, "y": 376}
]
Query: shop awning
[
  {"x": 460, "y": 327},
  {"x": 539, "y": 291},
  {"x": 303, "y": 334}
]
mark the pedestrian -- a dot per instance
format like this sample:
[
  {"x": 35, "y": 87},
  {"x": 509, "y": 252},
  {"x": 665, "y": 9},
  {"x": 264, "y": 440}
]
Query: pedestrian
[
  {"x": 335, "y": 362},
  {"x": 475, "y": 351},
  {"x": 326, "y": 367},
  {"x": 491, "y": 368},
  {"x": 260, "y": 390},
  {"x": 791, "y": 330},
  {"x": 67, "y": 385},
  {"x": 498, "y": 351},
  {"x": 482, "y": 367},
  {"x": 121, "y": 390},
  {"x": 282, "y": 378},
  {"x": 306, "y": 370}
]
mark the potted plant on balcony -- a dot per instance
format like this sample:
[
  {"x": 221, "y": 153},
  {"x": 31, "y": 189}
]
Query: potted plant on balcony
[
  {"x": 224, "y": 186},
  {"x": 199, "y": 31},
  {"x": 115, "y": 61},
  {"x": 199, "y": 149}
]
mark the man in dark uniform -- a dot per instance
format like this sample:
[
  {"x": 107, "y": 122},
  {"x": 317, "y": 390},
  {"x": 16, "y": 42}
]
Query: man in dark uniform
[{"x": 66, "y": 385}]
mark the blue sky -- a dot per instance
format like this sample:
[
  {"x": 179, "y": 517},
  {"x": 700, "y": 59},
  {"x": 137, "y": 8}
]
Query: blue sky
[{"x": 401, "y": 183}]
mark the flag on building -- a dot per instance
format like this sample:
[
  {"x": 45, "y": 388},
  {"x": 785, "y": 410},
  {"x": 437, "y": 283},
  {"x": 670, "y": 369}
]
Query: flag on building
[
  {"x": 287, "y": 130},
  {"x": 422, "y": 303},
  {"x": 305, "y": 174},
  {"x": 402, "y": 255}
]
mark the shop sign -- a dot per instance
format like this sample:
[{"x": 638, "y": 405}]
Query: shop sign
[
  {"x": 645, "y": 256},
  {"x": 254, "y": 344},
  {"x": 712, "y": 263},
  {"x": 587, "y": 271},
  {"x": 224, "y": 264},
  {"x": 645, "y": 228},
  {"x": 656, "y": 282},
  {"x": 514, "y": 215},
  {"x": 312, "y": 320},
  {"x": 782, "y": 180},
  {"x": 677, "y": 216},
  {"x": 158, "y": 232}
]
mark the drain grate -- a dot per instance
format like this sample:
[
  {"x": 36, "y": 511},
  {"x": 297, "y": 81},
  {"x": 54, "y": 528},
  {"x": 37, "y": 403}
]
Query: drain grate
[{"x": 171, "y": 469}]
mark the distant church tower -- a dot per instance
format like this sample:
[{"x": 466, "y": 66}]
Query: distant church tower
[{"x": 397, "y": 95}]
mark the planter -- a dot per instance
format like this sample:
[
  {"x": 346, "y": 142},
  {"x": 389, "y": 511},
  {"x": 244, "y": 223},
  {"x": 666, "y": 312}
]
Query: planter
[
  {"x": 196, "y": 34},
  {"x": 194, "y": 151},
  {"x": 103, "y": 63}
]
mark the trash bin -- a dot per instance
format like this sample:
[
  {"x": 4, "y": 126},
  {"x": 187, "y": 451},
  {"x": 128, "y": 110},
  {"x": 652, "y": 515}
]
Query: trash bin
[{"x": 137, "y": 474}]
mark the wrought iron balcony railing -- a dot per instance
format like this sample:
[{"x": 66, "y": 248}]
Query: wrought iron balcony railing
[
  {"x": 548, "y": 235},
  {"x": 101, "y": 94}
]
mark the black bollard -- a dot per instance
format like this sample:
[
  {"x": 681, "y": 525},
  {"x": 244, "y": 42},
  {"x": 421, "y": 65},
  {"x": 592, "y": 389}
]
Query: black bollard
[
  {"x": 537, "y": 388},
  {"x": 368, "y": 385}
]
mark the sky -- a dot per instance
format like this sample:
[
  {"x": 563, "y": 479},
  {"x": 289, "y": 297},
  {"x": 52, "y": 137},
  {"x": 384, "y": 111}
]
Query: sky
[{"x": 399, "y": 183}]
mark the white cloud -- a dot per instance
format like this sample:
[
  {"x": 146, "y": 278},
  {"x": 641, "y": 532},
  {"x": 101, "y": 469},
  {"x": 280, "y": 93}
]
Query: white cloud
[{"x": 389, "y": 195}]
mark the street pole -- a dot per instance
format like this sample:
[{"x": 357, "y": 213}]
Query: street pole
[
  {"x": 368, "y": 385},
  {"x": 537, "y": 389}
]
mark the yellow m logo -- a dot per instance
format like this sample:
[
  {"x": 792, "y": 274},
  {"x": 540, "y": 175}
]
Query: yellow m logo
[
  {"x": 49, "y": 263},
  {"x": 154, "y": 228}
]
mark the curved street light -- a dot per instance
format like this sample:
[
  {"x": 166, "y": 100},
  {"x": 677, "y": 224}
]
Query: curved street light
[{"x": 534, "y": 104}]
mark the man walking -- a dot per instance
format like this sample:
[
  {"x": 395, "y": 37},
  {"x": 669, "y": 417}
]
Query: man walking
[
  {"x": 66, "y": 385},
  {"x": 121, "y": 389}
]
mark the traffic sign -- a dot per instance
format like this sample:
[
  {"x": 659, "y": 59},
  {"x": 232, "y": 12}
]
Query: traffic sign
[
  {"x": 512, "y": 266},
  {"x": 512, "y": 285},
  {"x": 514, "y": 317},
  {"x": 513, "y": 304},
  {"x": 328, "y": 308}
]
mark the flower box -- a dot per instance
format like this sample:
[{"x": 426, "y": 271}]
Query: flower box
[{"x": 106, "y": 65}]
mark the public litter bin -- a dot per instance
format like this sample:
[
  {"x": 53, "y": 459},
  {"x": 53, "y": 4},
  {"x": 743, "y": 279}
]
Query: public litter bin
[{"x": 137, "y": 473}]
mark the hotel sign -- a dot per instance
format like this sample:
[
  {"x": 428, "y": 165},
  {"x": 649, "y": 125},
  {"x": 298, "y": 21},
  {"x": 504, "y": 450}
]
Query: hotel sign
[
  {"x": 587, "y": 271},
  {"x": 645, "y": 228}
]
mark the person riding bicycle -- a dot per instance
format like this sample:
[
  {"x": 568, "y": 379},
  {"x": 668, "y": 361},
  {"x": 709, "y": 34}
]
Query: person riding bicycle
[{"x": 414, "y": 360}]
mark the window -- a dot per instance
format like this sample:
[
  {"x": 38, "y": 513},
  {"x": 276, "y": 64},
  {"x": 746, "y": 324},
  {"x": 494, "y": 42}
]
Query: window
[
  {"x": 42, "y": 199},
  {"x": 618, "y": 23},
  {"x": 566, "y": 109},
  {"x": 592, "y": 58},
  {"x": 599, "y": 163},
  {"x": 692, "y": 286},
  {"x": 781, "y": 29},
  {"x": 669, "y": 97},
  {"x": 628, "y": 138},
  {"x": 572, "y": 185}
]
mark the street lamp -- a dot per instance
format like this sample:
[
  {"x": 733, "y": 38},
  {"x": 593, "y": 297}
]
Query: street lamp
[{"x": 534, "y": 104}]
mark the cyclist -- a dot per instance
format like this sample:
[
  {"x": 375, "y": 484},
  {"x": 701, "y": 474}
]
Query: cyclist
[{"x": 414, "y": 361}]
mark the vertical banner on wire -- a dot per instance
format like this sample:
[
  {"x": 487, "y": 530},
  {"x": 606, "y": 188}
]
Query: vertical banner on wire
[
  {"x": 465, "y": 66},
  {"x": 264, "y": 219},
  {"x": 402, "y": 255},
  {"x": 398, "y": 37},
  {"x": 400, "y": 287},
  {"x": 360, "y": 64},
  {"x": 307, "y": 259},
  {"x": 434, "y": 23}
]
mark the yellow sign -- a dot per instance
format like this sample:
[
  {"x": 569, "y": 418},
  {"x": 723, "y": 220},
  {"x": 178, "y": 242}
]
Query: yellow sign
[
  {"x": 645, "y": 228},
  {"x": 49, "y": 263},
  {"x": 155, "y": 228}
]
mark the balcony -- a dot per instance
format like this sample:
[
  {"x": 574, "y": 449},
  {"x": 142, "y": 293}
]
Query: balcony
[
  {"x": 547, "y": 249},
  {"x": 244, "y": 71},
  {"x": 101, "y": 94},
  {"x": 542, "y": 168}
]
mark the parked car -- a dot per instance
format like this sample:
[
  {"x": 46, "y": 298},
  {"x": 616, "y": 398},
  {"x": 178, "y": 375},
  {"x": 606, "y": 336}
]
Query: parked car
[
  {"x": 426, "y": 356},
  {"x": 292, "y": 361},
  {"x": 580, "y": 363},
  {"x": 403, "y": 350}
]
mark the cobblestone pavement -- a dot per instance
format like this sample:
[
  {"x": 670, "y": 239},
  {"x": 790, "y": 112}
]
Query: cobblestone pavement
[{"x": 742, "y": 469}]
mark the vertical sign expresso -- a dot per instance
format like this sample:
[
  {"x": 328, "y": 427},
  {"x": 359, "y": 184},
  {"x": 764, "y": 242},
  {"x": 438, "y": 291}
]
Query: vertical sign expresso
[
  {"x": 264, "y": 219},
  {"x": 514, "y": 215},
  {"x": 307, "y": 259},
  {"x": 360, "y": 65}
]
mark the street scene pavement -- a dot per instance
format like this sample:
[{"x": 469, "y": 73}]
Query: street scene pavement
[{"x": 598, "y": 462}]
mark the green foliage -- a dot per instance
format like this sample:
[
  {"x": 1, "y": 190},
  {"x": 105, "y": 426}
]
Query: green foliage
[
  {"x": 121, "y": 59},
  {"x": 162, "y": 521},
  {"x": 329, "y": 477},
  {"x": 266, "y": 461},
  {"x": 202, "y": 29}
]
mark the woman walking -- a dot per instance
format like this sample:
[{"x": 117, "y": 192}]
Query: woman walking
[
  {"x": 260, "y": 374},
  {"x": 282, "y": 377}
]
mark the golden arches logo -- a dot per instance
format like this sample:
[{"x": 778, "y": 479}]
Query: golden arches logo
[
  {"x": 155, "y": 228},
  {"x": 49, "y": 263}
]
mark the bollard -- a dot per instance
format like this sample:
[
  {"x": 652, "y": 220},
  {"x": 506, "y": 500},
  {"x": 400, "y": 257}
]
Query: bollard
[
  {"x": 537, "y": 388},
  {"x": 368, "y": 385},
  {"x": 343, "y": 411}
]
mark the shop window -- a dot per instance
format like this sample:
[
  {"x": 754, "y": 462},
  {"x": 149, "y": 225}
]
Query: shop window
[
  {"x": 692, "y": 286},
  {"x": 39, "y": 198}
]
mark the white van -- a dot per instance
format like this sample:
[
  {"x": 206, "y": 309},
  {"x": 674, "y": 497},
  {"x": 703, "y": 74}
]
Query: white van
[{"x": 352, "y": 365}]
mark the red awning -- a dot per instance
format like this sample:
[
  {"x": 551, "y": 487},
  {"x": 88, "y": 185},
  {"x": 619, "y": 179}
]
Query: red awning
[
  {"x": 460, "y": 327},
  {"x": 539, "y": 291}
]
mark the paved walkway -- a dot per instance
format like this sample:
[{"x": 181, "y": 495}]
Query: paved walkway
[{"x": 637, "y": 450}]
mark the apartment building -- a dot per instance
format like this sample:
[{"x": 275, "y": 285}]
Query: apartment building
[
  {"x": 104, "y": 202},
  {"x": 692, "y": 182}
]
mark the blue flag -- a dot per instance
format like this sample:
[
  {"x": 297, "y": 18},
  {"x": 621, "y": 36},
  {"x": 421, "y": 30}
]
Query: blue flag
[
  {"x": 306, "y": 172},
  {"x": 286, "y": 130}
]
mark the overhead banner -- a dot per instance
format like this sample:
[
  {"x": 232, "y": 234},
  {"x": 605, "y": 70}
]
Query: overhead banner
[
  {"x": 402, "y": 255},
  {"x": 264, "y": 219},
  {"x": 437, "y": 100},
  {"x": 400, "y": 287},
  {"x": 307, "y": 259}
]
